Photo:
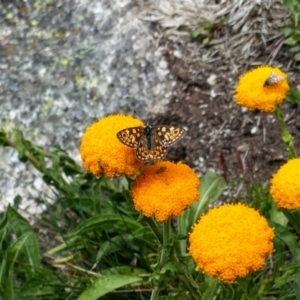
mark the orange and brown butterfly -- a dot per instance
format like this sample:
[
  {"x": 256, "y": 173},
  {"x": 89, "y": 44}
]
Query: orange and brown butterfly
[{"x": 150, "y": 142}]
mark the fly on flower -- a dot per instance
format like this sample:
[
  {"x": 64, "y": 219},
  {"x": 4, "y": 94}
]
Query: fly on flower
[
  {"x": 273, "y": 79},
  {"x": 150, "y": 142}
]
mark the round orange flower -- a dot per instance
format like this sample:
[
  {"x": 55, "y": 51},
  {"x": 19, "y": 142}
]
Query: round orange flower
[
  {"x": 285, "y": 185},
  {"x": 165, "y": 189},
  {"x": 230, "y": 241},
  {"x": 103, "y": 153},
  {"x": 253, "y": 91}
]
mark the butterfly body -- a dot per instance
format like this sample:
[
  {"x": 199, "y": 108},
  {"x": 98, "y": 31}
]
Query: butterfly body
[{"x": 150, "y": 142}]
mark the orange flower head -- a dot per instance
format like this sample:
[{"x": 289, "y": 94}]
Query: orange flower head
[
  {"x": 285, "y": 185},
  {"x": 259, "y": 89},
  {"x": 230, "y": 241},
  {"x": 164, "y": 190},
  {"x": 103, "y": 153}
]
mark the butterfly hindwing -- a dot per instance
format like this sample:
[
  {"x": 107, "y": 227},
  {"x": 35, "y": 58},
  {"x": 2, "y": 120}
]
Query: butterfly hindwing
[{"x": 156, "y": 152}]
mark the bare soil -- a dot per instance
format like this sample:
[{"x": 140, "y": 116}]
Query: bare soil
[{"x": 222, "y": 136}]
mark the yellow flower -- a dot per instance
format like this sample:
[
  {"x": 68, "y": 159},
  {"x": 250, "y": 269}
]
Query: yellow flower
[
  {"x": 253, "y": 93},
  {"x": 103, "y": 153},
  {"x": 165, "y": 189},
  {"x": 230, "y": 241},
  {"x": 285, "y": 185}
]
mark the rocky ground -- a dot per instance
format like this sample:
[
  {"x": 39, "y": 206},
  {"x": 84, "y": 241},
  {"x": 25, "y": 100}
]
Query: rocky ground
[{"x": 66, "y": 63}]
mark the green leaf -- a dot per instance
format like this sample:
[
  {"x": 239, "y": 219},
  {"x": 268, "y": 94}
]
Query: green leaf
[
  {"x": 290, "y": 5},
  {"x": 293, "y": 96},
  {"x": 104, "y": 285},
  {"x": 194, "y": 34},
  {"x": 7, "y": 265},
  {"x": 277, "y": 216},
  {"x": 115, "y": 222},
  {"x": 295, "y": 48},
  {"x": 106, "y": 222},
  {"x": 206, "y": 41},
  {"x": 287, "y": 237},
  {"x": 19, "y": 144},
  {"x": 287, "y": 30},
  {"x": 297, "y": 57},
  {"x": 296, "y": 285},
  {"x": 144, "y": 236},
  {"x": 76, "y": 242},
  {"x": 123, "y": 270},
  {"x": 2, "y": 139},
  {"x": 30, "y": 251},
  {"x": 290, "y": 41},
  {"x": 212, "y": 186},
  {"x": 294, "y": 218}
]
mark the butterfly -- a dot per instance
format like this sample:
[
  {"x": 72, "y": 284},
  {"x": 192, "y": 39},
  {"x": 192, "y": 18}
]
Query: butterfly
[
  {"x": 150, "y": 142},
  {"x": 273, "y": 79}
]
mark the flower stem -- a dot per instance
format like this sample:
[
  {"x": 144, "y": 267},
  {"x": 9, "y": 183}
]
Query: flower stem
[
  {"x": 155, "y": 229},
  {"x": 163, "y": 256},
  {"x": 11, "y": 144},
  {"x": 286, "y": 136}
]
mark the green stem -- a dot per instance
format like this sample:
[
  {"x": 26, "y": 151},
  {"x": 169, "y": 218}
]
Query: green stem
[
  {"x": 285, "y": 135},
  {"x": 163, "y": 255},
  {"x": 10, "y": 143},
  {"x": 154, "y": 294},
  {"x": 166, "y": 240},
  {"x": 190, "y": 284},
  {"x": 152, "y": 224}
]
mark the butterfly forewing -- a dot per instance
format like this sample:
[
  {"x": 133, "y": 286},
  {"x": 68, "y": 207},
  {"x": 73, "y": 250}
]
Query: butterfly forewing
[
  {"x": 169, "y": 135},
  {"x": 131, "y": 136}
]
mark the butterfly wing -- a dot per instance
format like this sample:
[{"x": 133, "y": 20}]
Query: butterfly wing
[
  {"x": 142, "y": 152},
  {"x": 169, "y": 135},
  {"x": 131, "y": 136},
  {"x": 155, "y": 153},
  {"x": 158, "y": 151}
]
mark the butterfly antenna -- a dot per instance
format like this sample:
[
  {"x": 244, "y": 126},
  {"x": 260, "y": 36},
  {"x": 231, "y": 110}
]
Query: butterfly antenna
[
  {"x": 137, "y": 114},
  {"x": 140, "y": 117}
]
